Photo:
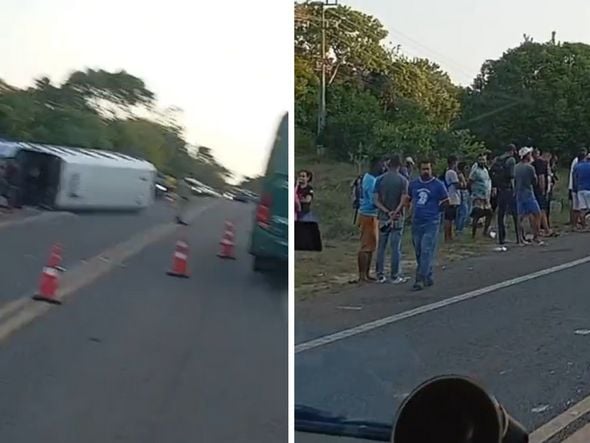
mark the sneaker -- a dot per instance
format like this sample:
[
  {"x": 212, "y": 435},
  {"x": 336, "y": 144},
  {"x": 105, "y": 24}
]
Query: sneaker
[
  {"x": 399, "y": 280},
  {"x": 429, "y": 282},
  {"x": 381, "y": 279},
  {"x": 417, "y": 286}
]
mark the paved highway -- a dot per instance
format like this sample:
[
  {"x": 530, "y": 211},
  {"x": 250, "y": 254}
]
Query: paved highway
[
  {"x": 528, "y": 342},
  {"x": 134, "y": 355}
]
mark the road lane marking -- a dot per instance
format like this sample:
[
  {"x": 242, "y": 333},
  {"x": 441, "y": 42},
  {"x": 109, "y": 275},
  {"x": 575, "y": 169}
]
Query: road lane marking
[
  {"x": 43, "y": 216},
  {"x": 366, "y": 327},
  {"x": 581, "y": 436},
  {"x": 12, "y": 306},
  {"x": 20, "y": 312},
  {"x": 562, "y": 421}
]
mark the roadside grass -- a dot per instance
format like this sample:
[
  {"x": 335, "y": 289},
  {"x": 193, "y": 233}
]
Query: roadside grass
[{"x": 331, "y": 270}]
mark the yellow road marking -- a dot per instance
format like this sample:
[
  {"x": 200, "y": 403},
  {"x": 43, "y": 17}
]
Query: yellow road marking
[{"x": 20, "y": 312}]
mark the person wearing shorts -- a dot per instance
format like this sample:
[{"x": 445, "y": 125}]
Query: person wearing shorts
[
  {"x": 525, "y": 179},
  {"x": 575, "y": 216},
  {"x": 367, "y": 222},
  {"x": 581, "y": 188}
]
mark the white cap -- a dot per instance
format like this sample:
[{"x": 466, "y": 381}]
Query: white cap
[
  {"x": 410, "y": 160},
  {"x": 524, "y": 151}
]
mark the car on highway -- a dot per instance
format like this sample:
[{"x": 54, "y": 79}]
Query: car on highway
[
  {"x": 270, "y": 235},
  {"x": 241, "y": 196},
  {"x": 228, "y": 195}
]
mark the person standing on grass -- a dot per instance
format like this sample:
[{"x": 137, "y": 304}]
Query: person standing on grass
[
  {"x": 367, "y": 221},
  {"x": 504, "y": 182},
  {"x": 542, "y": 170},
  {"x": 581, "y": 186},
  {"x": 304, "y": 194},
  {"x": 407, "y": 169},
  {"x": 465, "y": 206},
  {"x": 574, "y": 208},
  {"x": 525, "y": 180},
  {"x": 428, "y": 196},
  {"x": 481, "y": 193},
  {"x": 453, "y": 186},
  {"x": 552, "y": 179},
  {"x": 391, "y": 190}
]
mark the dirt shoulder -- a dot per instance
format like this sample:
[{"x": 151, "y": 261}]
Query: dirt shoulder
[
  {"x": 356, "y": 304},
  {"x": 10, "y": 217}
]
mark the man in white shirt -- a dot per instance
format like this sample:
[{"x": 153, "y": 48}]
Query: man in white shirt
[{"x": 575, "y": 204}]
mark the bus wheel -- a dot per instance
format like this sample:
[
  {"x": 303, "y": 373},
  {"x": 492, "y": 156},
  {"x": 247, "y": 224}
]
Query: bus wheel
[{"x": 262, "y": 264}]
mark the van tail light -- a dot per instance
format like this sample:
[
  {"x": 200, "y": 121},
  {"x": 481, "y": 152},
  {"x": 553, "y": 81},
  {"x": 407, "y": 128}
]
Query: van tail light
[{"x": 263, "y": 211}]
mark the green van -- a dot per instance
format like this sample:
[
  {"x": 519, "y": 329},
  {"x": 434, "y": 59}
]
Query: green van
[{"x": 269, "y": 243}]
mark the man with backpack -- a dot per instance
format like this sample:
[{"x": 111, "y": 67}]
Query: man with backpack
[{"x": 502, "y": 174}]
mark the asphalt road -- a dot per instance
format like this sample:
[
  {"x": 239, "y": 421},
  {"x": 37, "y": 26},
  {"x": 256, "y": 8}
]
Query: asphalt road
[
  {"x": 139, "y": 356},
  {"x": 527, "y": 343},
  {"x": 26, "y": 246}
]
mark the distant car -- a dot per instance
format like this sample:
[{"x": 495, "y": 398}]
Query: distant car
[
  {"x": 241, "y": 196},
  {"x": 269, "y": 242}
]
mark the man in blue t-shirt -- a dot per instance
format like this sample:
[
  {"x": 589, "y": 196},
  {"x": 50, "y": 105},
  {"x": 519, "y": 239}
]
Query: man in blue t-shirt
[
  {"x": 581, "y": 186},
  {"x": 367, "y": 220},
  {"x": 428, "y": 196}
]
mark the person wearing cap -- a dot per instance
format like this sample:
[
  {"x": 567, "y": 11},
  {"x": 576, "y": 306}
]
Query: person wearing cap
[
  {"x": 525, "y": 180},
  {"x": 581, "y": 186},
  {"x": 408, "y": 168}
]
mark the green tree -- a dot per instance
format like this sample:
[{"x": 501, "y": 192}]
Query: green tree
[
  {"x": 538, "y": 91},
  {"x": 97, "y": 109}
]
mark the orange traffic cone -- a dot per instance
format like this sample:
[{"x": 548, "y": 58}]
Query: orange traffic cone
[
  {"x": 180, "y": 260},
  {"x": 227, "y": 242},
  {"x": 50, "y": 278}
]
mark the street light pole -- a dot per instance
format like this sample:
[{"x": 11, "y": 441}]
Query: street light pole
[{"x": 322, "y": 98}]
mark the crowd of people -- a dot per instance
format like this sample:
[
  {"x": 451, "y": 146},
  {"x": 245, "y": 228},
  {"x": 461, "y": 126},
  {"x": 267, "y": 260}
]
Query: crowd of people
[{"x": 518, "y": 183}]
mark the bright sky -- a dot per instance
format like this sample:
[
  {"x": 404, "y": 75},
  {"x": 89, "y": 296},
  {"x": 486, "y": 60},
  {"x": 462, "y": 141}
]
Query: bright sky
[
  {"x": 228, "y": 64},
  {"x": 460, "y": 35}
]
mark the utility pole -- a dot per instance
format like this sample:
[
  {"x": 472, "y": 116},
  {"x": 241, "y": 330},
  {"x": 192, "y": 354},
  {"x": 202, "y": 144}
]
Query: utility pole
[{"x": 322, "y": 97}]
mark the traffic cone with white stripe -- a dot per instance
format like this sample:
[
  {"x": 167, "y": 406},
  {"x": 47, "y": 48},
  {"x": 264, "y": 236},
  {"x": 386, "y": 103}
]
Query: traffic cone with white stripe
[
  {"x": 49, "y": 282},
  {"x": 180, "y": 260},
  {"x": 227, "y": 242}
]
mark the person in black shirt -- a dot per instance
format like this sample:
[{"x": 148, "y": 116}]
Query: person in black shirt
[
  {"x": 542, "y": 170},
  {"x": 304, "y": 194},
  {"x": 504, "y": 183}
]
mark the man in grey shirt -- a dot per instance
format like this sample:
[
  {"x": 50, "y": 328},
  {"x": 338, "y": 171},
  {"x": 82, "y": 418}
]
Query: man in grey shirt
[
  {"x": 389, "y": 195},
  {"x": 525, "y": 179}
]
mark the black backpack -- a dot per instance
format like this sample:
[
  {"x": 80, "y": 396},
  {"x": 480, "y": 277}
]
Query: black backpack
[{"x": 499, "y": 173}]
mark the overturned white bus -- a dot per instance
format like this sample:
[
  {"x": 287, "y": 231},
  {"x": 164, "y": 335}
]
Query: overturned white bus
[{"x": 65, "y": 178}]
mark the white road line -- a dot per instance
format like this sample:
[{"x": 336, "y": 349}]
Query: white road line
[
  {"x": 581, "y": 436},
  {"x": 347, "y": 333},
  {"x": 562, "y": 421}
]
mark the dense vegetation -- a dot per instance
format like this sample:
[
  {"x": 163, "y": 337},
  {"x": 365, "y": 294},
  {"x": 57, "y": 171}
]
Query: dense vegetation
[
  {"x": 104, "y": 110},
  {"x": 379, "y": 101}
]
